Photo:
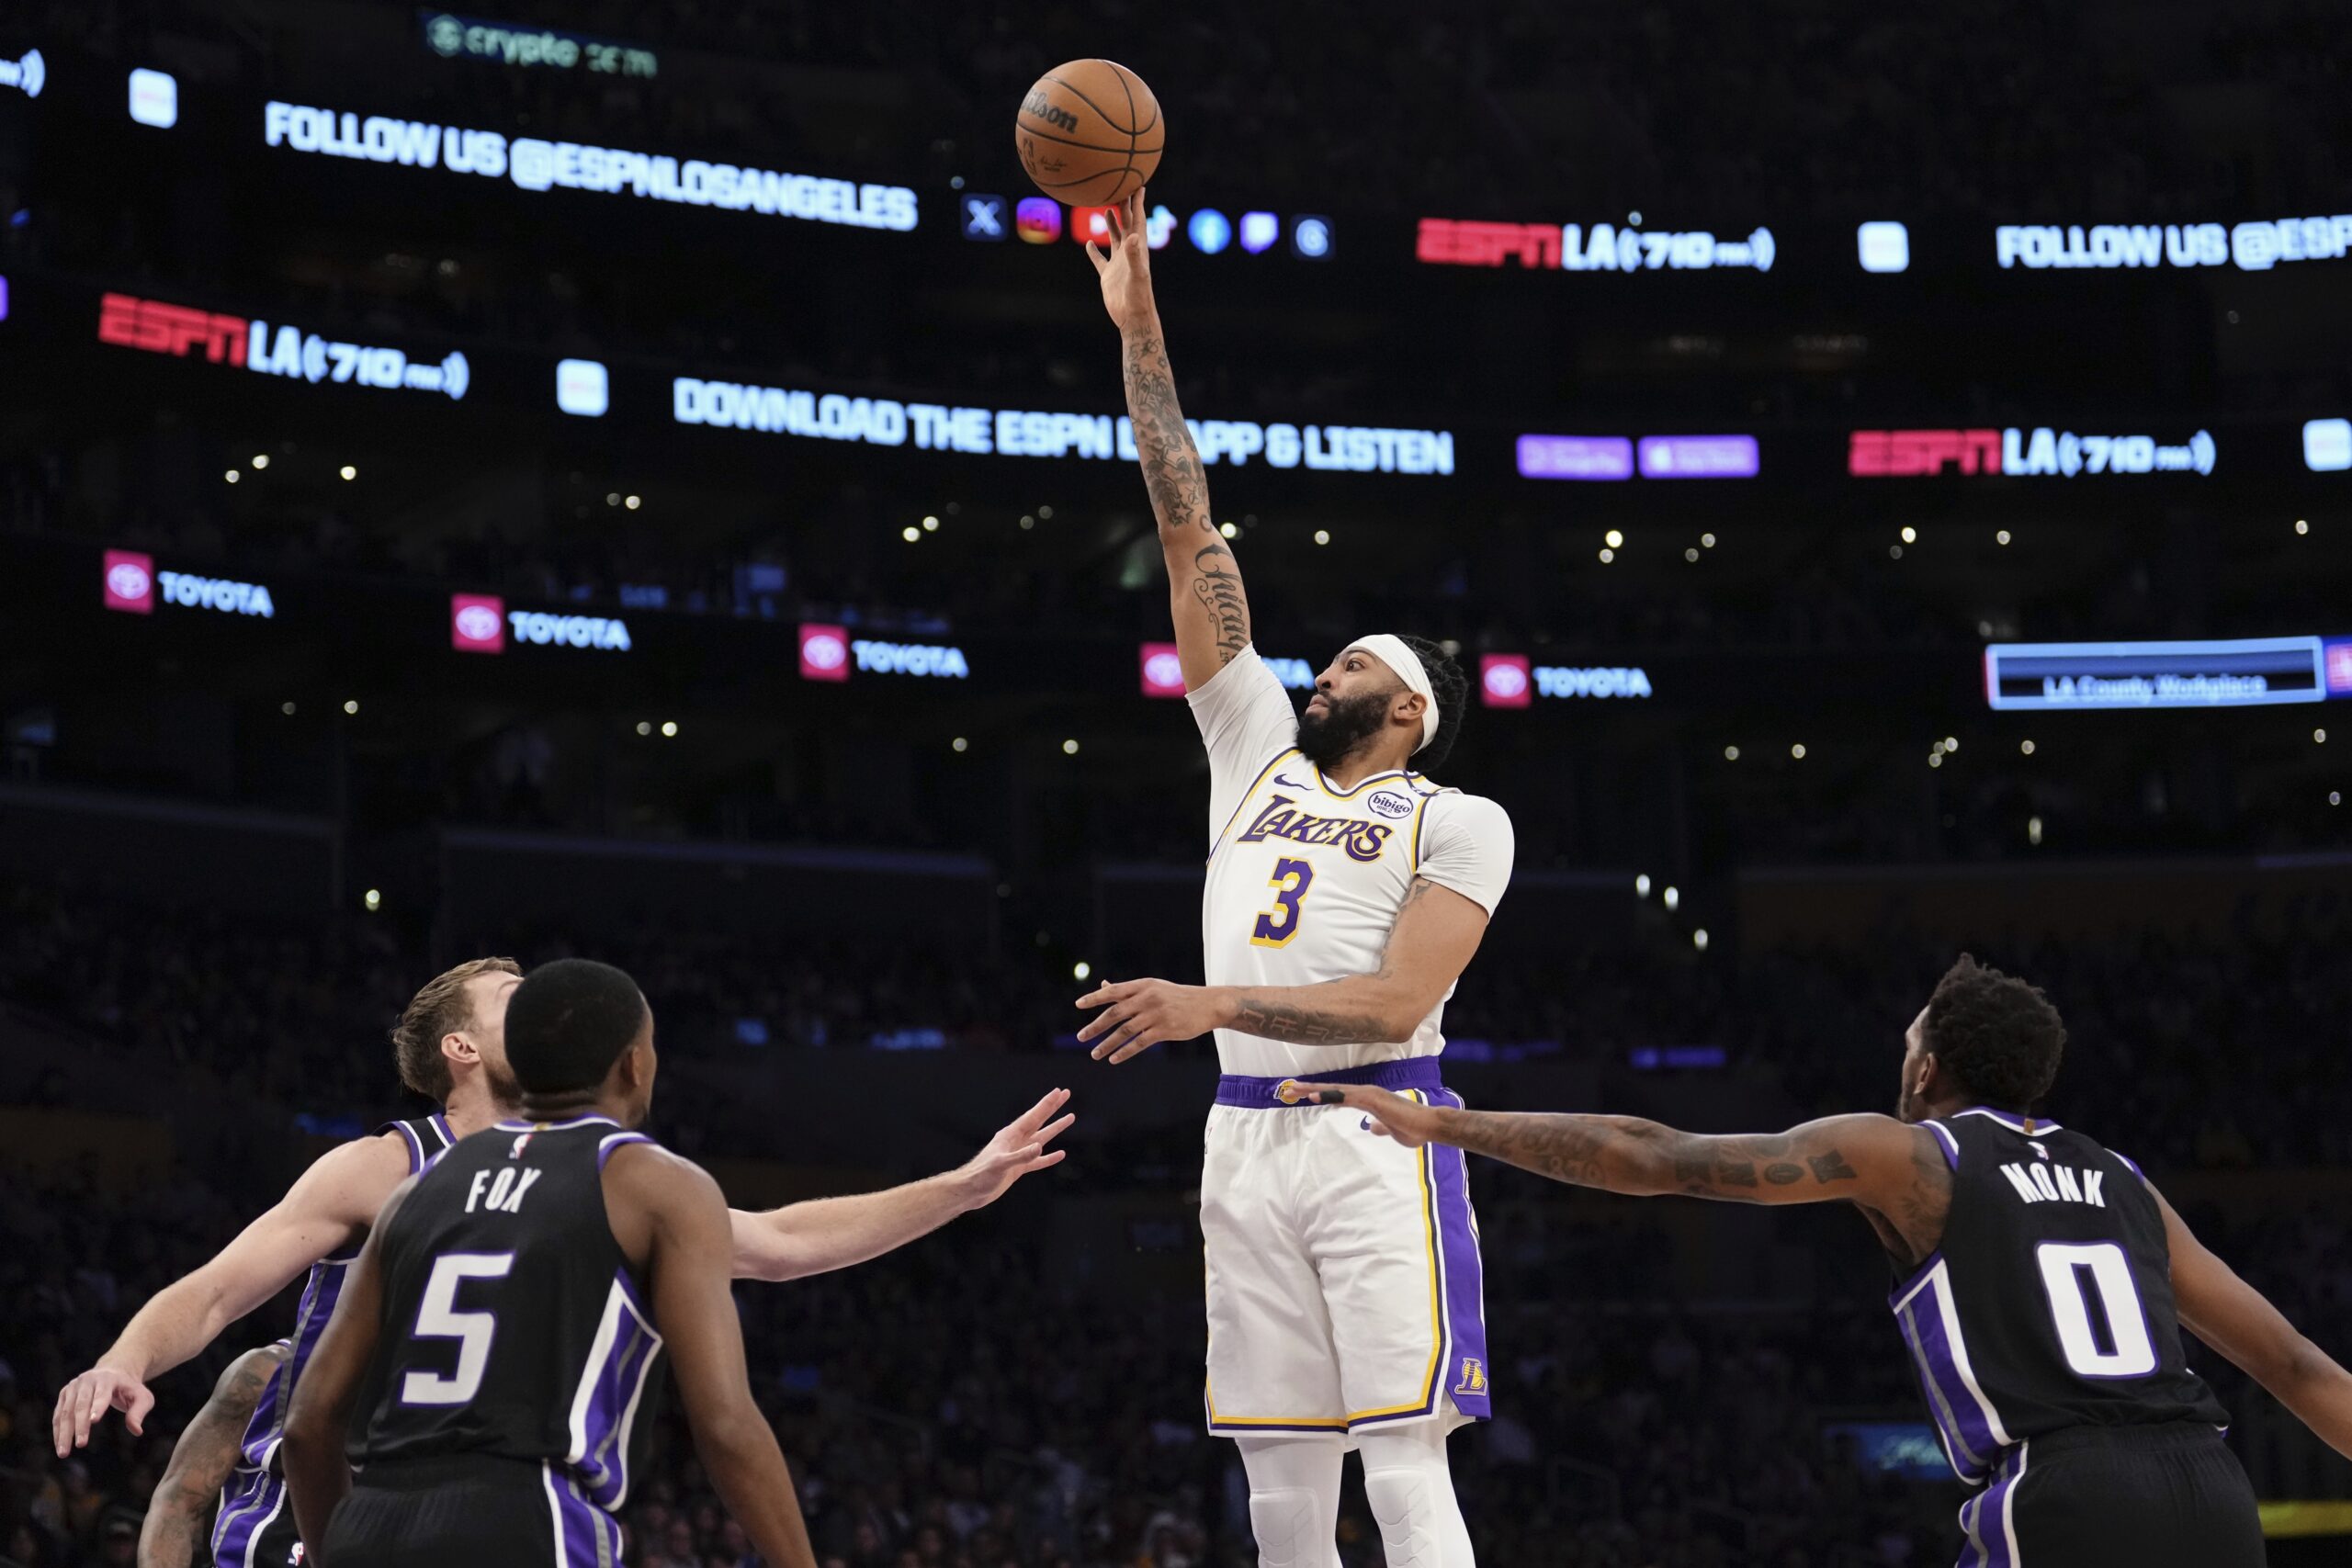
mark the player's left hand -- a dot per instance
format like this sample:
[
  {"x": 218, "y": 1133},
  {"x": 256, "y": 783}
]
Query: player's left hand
[
  {"x": 1018, "y": 1148},
  {"x": 1409, "y": 1122},
  {"x": 1138, "y": 1014}
]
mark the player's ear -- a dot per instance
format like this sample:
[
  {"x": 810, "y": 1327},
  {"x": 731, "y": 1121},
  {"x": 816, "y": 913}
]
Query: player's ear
[{"x": 458, "y": 1049}]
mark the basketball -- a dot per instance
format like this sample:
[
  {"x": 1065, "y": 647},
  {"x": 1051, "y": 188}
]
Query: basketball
[{"x": 1089, "y": 132}]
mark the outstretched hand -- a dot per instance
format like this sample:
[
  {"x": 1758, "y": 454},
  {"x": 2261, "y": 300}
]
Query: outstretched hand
[
  {"x": 1409, "y": 1122},
  {"x": 1018, "y": 1149},
  {"x": 1138, "y": 1014},
  {"x": 83, "y": 1403},
  {"x": 1126, "y": 265}
]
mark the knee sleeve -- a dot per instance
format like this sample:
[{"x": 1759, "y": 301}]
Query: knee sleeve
[
  {"x": 1410, "y": 1489},
  {"x": 1403, "y": 1501},
  {"x": 1293, "y": 1500},
  {"x": 1284, "y": 1522}
]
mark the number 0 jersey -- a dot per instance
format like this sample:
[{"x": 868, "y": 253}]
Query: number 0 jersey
[
  {"x": 2049, "y": 1303},
  {"x": 512, "y": 1324},
  {"x": 1306, "y": 880}
]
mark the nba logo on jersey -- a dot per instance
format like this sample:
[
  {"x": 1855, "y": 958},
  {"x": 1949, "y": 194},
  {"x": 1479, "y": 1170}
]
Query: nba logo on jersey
[
  {"x": 521, "y": 1142},
  {"x": 1474, "y": 1376}
]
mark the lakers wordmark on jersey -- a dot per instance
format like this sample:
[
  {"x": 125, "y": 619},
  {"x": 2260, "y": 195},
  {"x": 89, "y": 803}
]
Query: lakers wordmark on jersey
[{"x": 1305, "y": 879}]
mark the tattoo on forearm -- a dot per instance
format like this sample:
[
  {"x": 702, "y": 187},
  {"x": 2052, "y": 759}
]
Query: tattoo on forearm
[
  {"x": 1302, "y": 1022},
  {"x": 176, "y": 1530},
  {"x": 1180, "y": 491},
  {"x": 1307, "y": 1025},
  {"x": 1626, "y": 1155},
  {"x": 1218, "y": 589}
]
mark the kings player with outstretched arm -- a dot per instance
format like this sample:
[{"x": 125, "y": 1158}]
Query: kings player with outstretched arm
[{"x": 1346, "y": 891}]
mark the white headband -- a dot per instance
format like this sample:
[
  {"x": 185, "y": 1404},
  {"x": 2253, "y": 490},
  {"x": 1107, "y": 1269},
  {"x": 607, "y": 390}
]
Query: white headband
[{"x": 1392, "y": 650}]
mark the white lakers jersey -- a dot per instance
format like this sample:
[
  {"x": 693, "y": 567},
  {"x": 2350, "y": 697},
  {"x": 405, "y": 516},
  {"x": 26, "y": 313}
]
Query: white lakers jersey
[{"x": 1306, "y": 880}]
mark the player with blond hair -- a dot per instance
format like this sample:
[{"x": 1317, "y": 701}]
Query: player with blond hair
[{"x": 450, "y": 1047}]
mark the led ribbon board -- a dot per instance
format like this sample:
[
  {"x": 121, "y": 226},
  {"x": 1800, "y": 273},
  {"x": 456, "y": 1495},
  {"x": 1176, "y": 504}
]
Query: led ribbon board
[
  {"x": 2240, "y": 672},
  {"x": 534, "y": 164}
]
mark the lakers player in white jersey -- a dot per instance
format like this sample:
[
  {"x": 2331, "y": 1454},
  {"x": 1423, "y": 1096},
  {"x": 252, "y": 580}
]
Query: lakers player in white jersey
[{"x": 1346, "y": 892}]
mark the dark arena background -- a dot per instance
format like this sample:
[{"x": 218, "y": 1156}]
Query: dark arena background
[{"x": 1886, "y": 471}]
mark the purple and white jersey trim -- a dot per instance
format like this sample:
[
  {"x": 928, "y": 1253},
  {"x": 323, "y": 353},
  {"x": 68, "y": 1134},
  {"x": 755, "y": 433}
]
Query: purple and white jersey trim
[
  {"x": 612, "y": 1384},
  {"x": 267, "y": 1425},
  {"x": 1971, "y": 1428}
]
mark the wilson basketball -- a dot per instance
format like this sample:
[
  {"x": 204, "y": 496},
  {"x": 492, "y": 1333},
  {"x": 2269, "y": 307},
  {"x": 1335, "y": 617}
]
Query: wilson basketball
[{"x": 1089, "y": 132}]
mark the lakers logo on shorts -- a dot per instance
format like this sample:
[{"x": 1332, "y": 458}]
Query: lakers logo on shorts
[
  {"x": 1474, "y": 1376},
  {"x": 1290, "y": 1091}
]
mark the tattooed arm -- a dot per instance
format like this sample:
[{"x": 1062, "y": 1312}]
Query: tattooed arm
[
  {"x": 1893, "y": 1169},
  {"x": 176, "y": 1530},
  {"x": 1204, "y": 591},
  {"x": 1436, "y": 934}
]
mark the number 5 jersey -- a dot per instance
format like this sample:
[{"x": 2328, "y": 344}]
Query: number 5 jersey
[{"x": 514, "y": 1328}]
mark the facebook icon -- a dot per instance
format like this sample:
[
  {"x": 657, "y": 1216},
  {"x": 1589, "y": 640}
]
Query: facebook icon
[{"x": 984, "y": 217}]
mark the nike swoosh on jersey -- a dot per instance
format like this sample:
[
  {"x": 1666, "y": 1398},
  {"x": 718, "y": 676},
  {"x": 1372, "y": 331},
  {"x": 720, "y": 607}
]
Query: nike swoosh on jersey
[{"x": 1287, "y": 783}]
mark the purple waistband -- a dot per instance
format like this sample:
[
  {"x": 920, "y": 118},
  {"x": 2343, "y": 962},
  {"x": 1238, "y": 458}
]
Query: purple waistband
[{"x": 1266, "y": 1094}]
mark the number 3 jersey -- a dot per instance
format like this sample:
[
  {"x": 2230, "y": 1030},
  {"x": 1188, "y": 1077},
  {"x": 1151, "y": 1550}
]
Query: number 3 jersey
[
  {"x": 2049, "y": 1304},
  {"x": 513, "y": 1326},
  {"x": 1306, "y": 880}
]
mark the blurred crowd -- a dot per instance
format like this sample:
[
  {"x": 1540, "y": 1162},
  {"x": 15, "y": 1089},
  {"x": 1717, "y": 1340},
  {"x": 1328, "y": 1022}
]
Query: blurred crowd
[{"x": 295, "y": 1011}]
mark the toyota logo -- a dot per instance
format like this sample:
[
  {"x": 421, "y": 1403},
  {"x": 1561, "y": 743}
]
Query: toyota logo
[
  {"x": 127, "y": 579},
  {"x": 1506, "y": 680},
  {"x": 478, "y": 623},
  {"x": 1164, "y": 670},
  {"x": 823, "y": 650}
]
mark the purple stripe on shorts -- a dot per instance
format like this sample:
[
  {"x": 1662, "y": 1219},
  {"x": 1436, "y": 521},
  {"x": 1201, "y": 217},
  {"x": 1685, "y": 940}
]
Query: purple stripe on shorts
[
  {"x": 234, "y": 1534},
  {"x": 1466, "y": 1374},
  {"x": 1982, "y": 1517},
  {"x": 575, "y": 1520}
]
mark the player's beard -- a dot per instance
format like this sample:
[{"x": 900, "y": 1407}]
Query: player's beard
[
  {"x": 1346, "y": 723},
  {"x": 504, "y": 1085}
]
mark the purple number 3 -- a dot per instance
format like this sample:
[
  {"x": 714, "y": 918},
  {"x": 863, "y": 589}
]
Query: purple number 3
[{"x": 1290, "y": 881}]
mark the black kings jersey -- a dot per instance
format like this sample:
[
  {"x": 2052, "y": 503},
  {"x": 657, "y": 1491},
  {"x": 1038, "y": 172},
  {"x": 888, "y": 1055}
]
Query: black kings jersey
[
  {"x": 255, "y": 1528},
  {"x": 512, "y": 1323},
  {"x": 2049, "y": 1303}
]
